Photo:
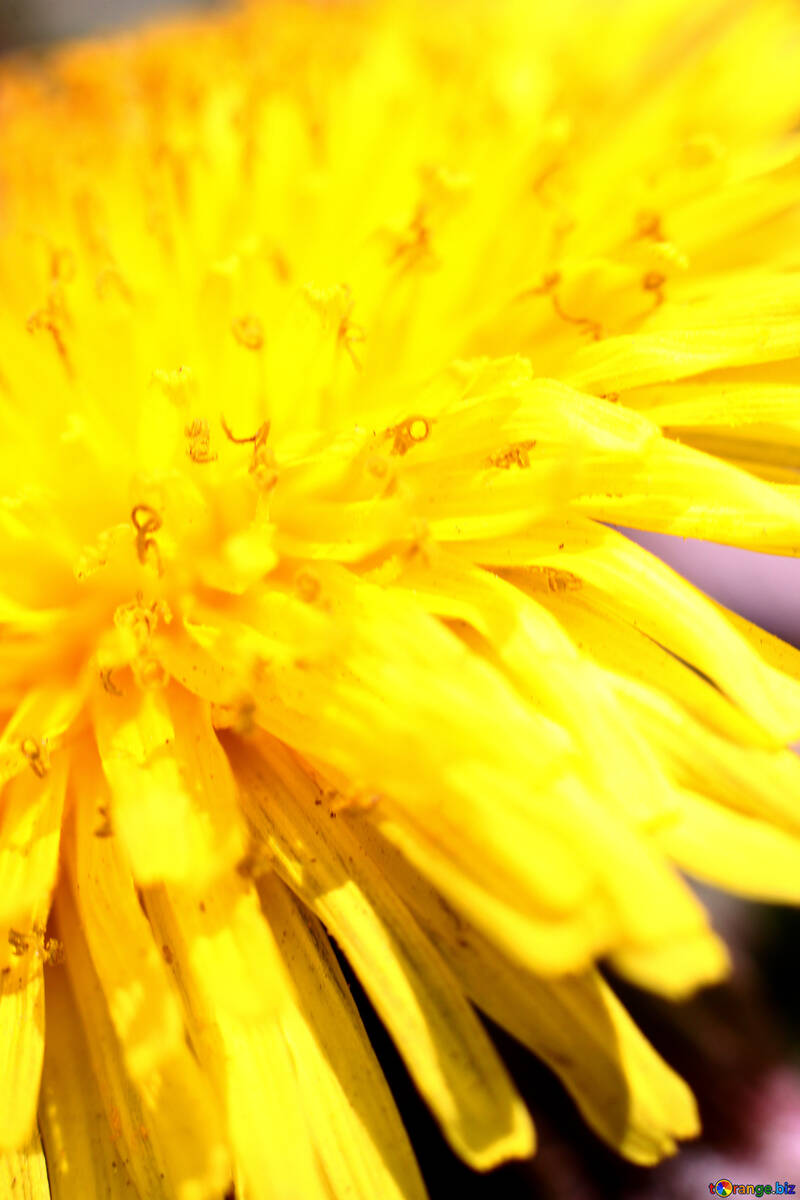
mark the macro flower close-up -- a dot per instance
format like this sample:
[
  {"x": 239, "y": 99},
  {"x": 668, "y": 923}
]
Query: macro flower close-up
[{"x": 339, "y": 343}]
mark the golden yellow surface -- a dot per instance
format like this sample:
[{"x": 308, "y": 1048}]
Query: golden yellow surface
[{"x": 333, "y": 337}]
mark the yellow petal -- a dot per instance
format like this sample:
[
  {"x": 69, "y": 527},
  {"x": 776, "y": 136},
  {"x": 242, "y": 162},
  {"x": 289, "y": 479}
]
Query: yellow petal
[
  {"x": 23, "y": 1173},
  {"x": 613, "y": 642},
  {"x": 736, "y": 852},
  {"x": 150, "y": 756},
  {"x": 30, "y": 831},
  {"x": 360, "y": 699},
  {"x": 234, "y": 990},
  {"x": 780, "y": 655},
  {"x": 37, "y": 725},
  {"x": 624, "y": 1089},
  {"x": 142, "y": 1004},
  {"x": 82, "y": 1157},
  {"x": 760, "y": 783},
  {"x": 138, "y": 1131},
  {"x": 676, "y": 968},
  {"x": 756, "y": 211},
  {"x": 656, "y": 600},
  {"x": 550, "y": 945},
  {"x": 729, "y": 405},
  {"x": 679, "y": 490},
  {"x": 445, "y": 1049},
  {"x": 752, "y": 321},
  {"x": 21, "y": 1048},
  {"x": 358, "y": 1133},
  {"x": 550, "y": 671},
  {"x": 240, "y": 1008}
]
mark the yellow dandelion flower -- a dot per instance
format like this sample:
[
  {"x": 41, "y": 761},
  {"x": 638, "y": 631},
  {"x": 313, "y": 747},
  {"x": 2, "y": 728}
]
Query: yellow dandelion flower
[{"x": 334, "y": 340}]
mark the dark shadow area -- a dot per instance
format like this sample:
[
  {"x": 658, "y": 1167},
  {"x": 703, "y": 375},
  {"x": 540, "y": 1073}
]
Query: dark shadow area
[
  {"x": 25, "y": 23},
  {"x": 725, "y": 1042}
]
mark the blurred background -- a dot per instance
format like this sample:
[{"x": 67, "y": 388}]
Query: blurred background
[
  {"x": 32, "y": 22},
  {"x": 738, "y": 1045}
]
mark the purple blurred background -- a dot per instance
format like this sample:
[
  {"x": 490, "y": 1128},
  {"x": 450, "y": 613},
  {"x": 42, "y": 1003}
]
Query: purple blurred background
[{"x": 762, "y": 587}]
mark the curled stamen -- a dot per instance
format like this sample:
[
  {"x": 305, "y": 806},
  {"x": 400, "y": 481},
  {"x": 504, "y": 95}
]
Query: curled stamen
[
  {"x": 104, "y": 829},
  {"x": 262, "y": 466},
  {"x": 654, "y": 282},
  {"x": 348, "y": 334},
  {"x": 549, "y": 281},
  {"x": 33, "y": 752},
  {"x": 146, "y": 521},
  {"x": 584, "y": 323},
  {"x": 414, "y": 246},
  {"x": 258, "y": 438},
  {"x": 409, "y": 433},
  {"x": 516, "y": 455},
  {"x": 199, "y": 436},
  {"x": 108, "y": 683},
  {"x": 547, "y": 287},
  {"x": 47, "y": 320}
]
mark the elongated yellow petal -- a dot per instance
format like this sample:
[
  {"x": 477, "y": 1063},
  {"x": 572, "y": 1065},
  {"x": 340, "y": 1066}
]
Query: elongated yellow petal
[
  {"x": 550, "y": 946},
  {"x": 755, "y": 210},
  {"x": 357, "y": 1129},
  {"x": 23, "y": 1173},
  {"x": 750, "y": 323},
  {"x": 143, "y": 1007},
  {"x": 666, "y": 967},
  {"x": 229, "y": 970},
  {"x": 83, "y": 1157},
  {"x": 767, "y": 452},
  {"x": 232, "y": 982},
  {"x": 150, "y": 757},
  {"x": 779, "y": 654},
  {"x": 550, "y": 671},
  {"x": 446, "y": 1051},
  {"x": 734, "y": 851},
  {"x": 367, "y": 716},
  {"x": 138, "y": 1134},
  {"x": 716, "y": 403},
  {"x": 576, "y": 1024},
  {"x": 678, "y": 490},
  {"x": 622, "y": 646},
  {"x": 37, "y": 726},
  {"x": 21, "y": 1048},
  {"x": 30, "y": 832},
  {"x": 662, "y": 605},
  {"x": 761, "y": 783}
]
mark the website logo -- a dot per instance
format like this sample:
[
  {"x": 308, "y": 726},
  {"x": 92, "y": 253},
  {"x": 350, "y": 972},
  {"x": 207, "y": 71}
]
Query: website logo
[{"x": 724, "y": 1187}]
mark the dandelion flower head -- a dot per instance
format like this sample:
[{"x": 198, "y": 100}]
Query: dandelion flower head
[{"x": 336, "y": 341}]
